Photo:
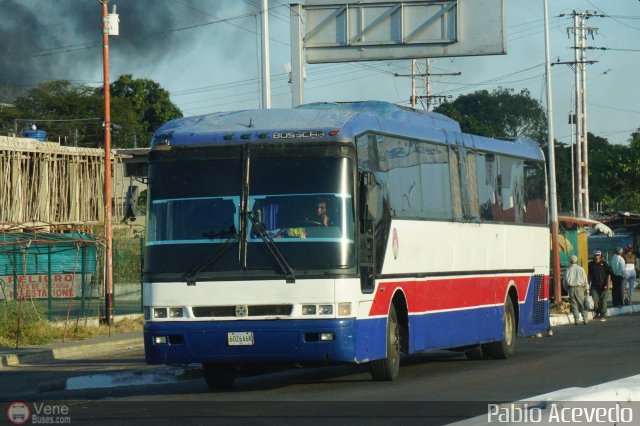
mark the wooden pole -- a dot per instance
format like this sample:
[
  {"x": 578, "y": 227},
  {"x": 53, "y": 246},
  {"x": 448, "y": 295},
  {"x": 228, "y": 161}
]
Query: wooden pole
[{"x": 108, "y": 275}]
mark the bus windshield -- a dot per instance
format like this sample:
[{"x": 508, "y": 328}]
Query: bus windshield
[{"x": 304, "y": 205}]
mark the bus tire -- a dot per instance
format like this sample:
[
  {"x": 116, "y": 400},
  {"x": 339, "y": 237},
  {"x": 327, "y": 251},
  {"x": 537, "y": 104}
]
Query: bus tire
[
  {"x": 507, "y": 346},
  {"x": 219, "y": 376},
  {"x": 386, "y": 369}
]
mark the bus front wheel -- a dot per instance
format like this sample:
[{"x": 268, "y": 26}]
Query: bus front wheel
[
  {"x": 219, "y": 376},
  {"x": 507, "y": 346},
  {"x": 387, "y": 368}
]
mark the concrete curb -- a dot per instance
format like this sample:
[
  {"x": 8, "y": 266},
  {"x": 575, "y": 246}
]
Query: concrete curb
[
  {"x": 69, "y": 350},
  {"x": 160, "y": 375},
  {"x": 622, "y": 391}
]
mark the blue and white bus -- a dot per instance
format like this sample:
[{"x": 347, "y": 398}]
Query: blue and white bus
[{"x": 435, "y": 239}]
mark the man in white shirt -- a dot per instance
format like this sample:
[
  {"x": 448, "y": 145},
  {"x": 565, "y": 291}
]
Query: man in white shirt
[
  {"x": 576, "y": 284},
  {"x": 619, "y": 275}
]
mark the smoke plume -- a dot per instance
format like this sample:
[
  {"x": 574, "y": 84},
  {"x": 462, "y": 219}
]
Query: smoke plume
[{"x": 44, "y": 40}]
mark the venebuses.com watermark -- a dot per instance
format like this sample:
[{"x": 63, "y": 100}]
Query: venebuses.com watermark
[
  {"x": 20, "y": 413},
  {"x": 573, "y": 412}
]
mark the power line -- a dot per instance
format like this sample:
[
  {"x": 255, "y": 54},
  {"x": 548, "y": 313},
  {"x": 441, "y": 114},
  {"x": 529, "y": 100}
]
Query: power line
[
  {"x": 252, "y": 14},
  {"x": 78, "y": 47}
]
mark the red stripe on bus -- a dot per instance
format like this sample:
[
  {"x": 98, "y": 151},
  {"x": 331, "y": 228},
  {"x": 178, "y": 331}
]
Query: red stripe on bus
[{"x": 425, "y": 295}]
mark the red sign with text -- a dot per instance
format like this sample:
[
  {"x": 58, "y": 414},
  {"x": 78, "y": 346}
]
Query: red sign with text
[{"x": 37, "y": 286}]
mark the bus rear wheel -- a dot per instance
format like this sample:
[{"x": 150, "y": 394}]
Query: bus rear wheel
[
  {"x": 507, "y": 346},
  {"x": 219, "y": 376},
  {"x": 387, "y": 368}
]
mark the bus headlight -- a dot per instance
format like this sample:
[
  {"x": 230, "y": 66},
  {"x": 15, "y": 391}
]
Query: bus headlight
[
  {"x": 159, "y": 312},
  {"x": 175, "y": 313},
  {"x": 308, "y": 309},
  {"x": 325, "y": 309},
  {"x": 344, "y": 309}
]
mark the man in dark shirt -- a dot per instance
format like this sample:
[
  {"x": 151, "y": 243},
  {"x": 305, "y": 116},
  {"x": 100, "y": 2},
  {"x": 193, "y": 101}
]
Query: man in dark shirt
[{"x": 599, "y": 278}]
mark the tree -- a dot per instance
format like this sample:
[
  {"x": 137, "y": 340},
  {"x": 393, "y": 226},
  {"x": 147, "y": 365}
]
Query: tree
[
  {"x": 614, "y": 174},
  {"x": 150, "y": 102},
  {"x": 634, "y": 140},
  {"x": 66, "y": 111},
  {"x": 501, "y": 113},
  {"x": 74, "y": 113}
]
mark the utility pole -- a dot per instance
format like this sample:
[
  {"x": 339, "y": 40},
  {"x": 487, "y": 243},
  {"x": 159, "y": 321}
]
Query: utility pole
[
  {"x": 579, "y": 136},
  {"x": 297, "y": 79},
  {"x": 579, "y": 66},
  {"x": 413, "y": 83},
  {"x": 553, "y": 206},
  {"x": 572, "y": 121},
  {"x": 427, "y": 83},
  {"x": 428, "y": 96},
  {"x": 266, "y": 64},
  {"x": 583, "y": 89},
  {"x": 109, "y": 27}
]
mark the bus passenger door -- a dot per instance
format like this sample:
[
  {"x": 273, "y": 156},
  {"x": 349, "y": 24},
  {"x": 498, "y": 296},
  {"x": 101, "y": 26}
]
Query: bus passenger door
[{"x": 367, "y": 236}]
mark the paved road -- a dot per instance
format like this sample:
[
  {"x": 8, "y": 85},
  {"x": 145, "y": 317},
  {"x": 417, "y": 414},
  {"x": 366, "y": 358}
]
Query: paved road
[{"x": 443, "y": 386}]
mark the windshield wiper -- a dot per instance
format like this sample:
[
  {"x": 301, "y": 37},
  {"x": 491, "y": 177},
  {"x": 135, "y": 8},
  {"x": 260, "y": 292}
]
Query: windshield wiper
[
  {"x": 191, "y": 275},
  {"x": 273, "y": 248}
]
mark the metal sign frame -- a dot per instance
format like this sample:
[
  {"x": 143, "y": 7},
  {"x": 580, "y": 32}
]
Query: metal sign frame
[
  {"x": 369, "y": 30},
  {"x": 354, "y": 30}
]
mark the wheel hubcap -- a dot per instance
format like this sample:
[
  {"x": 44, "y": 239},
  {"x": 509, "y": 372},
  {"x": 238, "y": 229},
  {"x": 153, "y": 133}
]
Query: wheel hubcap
[{"x": 508, "y": 328}]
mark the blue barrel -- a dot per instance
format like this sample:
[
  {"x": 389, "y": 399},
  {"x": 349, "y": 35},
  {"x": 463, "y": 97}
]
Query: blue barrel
[{"x": 39, "y": 135}]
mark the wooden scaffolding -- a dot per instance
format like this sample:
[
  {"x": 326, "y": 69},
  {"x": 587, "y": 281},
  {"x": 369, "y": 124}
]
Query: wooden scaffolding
[{"x": 45, "y": 183}]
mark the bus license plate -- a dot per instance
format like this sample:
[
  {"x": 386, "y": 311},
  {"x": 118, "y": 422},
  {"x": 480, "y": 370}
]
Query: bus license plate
[{"x": 240, "y": 338}]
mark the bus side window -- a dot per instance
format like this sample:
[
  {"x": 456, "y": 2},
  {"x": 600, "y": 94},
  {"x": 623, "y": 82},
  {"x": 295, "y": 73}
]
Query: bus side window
[{"x": 470, "y": 185}]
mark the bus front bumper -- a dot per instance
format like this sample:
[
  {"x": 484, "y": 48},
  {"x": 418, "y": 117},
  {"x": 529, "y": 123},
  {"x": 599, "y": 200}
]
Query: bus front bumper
[{"x": 249, "y": 341}]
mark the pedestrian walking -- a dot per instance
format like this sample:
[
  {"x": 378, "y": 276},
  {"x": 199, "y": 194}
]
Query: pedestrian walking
[
  {"x": 630, "y": 267},
  {"x": 618, "y": 276},
  {"x": 599, "y": 279},
  {"x": 577, "y": 286}
]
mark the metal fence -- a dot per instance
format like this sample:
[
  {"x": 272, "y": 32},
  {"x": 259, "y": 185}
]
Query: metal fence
[{"x": 61, "y": 275}]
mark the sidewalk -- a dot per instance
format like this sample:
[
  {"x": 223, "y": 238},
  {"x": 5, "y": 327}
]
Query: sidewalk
[
  {"x": 563, "y": 319},
  {"x": 70, "y": 349}
]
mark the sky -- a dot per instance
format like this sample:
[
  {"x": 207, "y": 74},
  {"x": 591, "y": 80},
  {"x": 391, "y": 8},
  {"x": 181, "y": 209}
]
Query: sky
[{"x": 206, "y": 53}]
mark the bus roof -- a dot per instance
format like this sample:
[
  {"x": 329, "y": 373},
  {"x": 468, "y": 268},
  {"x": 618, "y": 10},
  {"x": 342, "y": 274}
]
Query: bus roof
[{"x": 316, "y": 120}]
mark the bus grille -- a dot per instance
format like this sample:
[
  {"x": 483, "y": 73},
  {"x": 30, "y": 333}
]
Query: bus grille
[
  {"x": 230, "y": 311},
  {"x": 539, "y": 305}
]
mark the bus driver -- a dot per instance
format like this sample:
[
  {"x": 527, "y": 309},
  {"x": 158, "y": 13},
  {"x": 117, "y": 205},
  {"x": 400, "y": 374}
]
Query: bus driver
[{"x": 321, "y": 213}]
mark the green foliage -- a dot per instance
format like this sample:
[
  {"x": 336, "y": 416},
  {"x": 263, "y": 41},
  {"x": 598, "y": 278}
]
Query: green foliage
[
  {"x": 35, "y": 330},
  {"x": 614, "y": 174},
  {"x": 634, "y": 140},
  {"x": 61, "y": 100},
  {"x": 138, "y": 108},
  {"x": 501, "y": 113},
  {"x": 150, "y": 102},
  {"x": 142, "y": 201},
  {"x": 127, "y": 253},
  {"x": 31, "y": 323}
]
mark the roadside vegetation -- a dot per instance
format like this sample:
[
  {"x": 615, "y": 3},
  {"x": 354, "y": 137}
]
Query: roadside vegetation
[{"x": 22, "y": 323}]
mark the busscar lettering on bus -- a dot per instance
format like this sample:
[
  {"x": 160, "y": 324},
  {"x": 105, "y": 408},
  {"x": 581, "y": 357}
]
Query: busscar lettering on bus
[
  {"x": 298, "y": 135},
  {"x": 429, "y": 239}
]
